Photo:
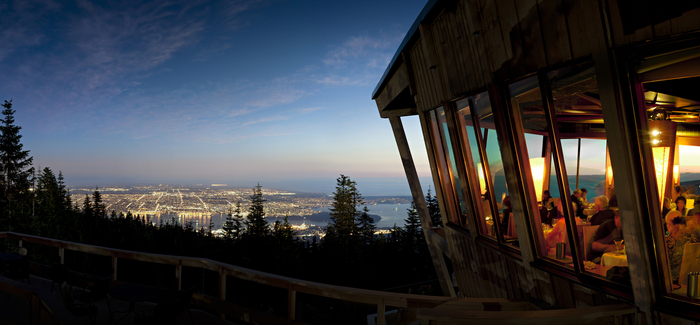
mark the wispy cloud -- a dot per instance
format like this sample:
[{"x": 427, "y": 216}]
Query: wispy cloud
[
  {"x": 266, "y": 119},
  {"x": 308, "y": 110},
  {"x": 360, "y": 60}
]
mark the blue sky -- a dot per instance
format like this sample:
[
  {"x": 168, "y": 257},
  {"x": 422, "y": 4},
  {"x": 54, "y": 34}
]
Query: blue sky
[{"x": 231, "y": 92}]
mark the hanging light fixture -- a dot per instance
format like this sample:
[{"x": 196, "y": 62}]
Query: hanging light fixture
[{"x": 537, "y": 170}]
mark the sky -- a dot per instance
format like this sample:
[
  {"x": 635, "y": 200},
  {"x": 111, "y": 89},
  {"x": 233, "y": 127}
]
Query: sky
[{"x": 196, "y": 92}]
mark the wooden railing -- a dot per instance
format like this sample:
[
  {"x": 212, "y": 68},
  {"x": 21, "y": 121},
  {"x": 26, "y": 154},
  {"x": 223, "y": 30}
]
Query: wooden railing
[{"x": 381, "y": 300}]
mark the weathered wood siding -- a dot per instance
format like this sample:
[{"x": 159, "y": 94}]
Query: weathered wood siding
[
  {"x": 483, "y": 271},
  {"x": 515, "y": 38}
]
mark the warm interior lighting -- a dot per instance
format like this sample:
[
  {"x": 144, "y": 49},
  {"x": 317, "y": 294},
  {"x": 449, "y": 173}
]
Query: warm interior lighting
[
  {"x": 482, "y": 179},
  {"x": 661, "y": 160},
  {"x": 655, "y": 132},
  {"x": 676, "y": 175},
  {"x": 655, "y": 141},
  {"x": 537, "y": 169},
  {"x": 609, "y": 175}
]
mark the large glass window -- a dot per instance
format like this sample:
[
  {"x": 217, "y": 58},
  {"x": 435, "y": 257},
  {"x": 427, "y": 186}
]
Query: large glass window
[
  {"x": 494, "y": 208},
  {"x": 671, "y": 101},
  {"x": 448, "y": 173},
  {"x": 526, "y": 97},
  {"x": 570, "y": 169},
  {"x": 587, "y": 183}
]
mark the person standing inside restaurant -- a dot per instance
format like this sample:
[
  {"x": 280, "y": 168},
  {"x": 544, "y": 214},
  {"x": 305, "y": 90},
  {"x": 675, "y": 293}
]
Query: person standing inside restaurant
[
  {"x": 604, "y": 239},
  {"x": 508, "y": 209},
  {"x": 604, "y": 212},
  {"x": 578, "y": 204}
]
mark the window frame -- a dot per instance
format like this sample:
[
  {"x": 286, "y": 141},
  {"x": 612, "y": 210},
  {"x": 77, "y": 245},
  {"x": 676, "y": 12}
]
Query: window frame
[{"x": 632, "y": 90}]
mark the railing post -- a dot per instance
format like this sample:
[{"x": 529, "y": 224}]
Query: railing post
[
  {"x": 178, "y": 274},
  {"x": 381, "y": 308},
  {"x": 291, "y": 304},
  {"x": 62, "y": 254},
  {"x": 114, "y": 267},
  {"x": 222, "y": 292}
]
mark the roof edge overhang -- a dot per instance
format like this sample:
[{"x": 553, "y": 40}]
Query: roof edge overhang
[{"x": 411, "y": 32}]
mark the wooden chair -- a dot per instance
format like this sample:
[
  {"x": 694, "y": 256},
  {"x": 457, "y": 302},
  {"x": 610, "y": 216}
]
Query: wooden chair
[
  {"x": 59, "y": 274},
  {"x": 78, "y": 304},
  {"x": 588, "y": 233},
  {"x": 690, "y": 262}
]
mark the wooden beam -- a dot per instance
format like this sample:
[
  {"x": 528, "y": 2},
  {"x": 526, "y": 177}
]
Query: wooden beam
[{"x": 421, "y": 206}]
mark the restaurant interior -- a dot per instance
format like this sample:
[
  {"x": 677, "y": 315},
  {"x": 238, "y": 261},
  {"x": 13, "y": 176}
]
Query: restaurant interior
[{"x": 563, "y": 143}]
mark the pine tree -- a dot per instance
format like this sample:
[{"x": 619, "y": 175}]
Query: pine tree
[
  {"x": 346, "y": 198},
  {"x": 366, "y": 227},
  {"x": 256, "y": 223},
  {"x": 413, "y": 233},
  {"x": 232, "y": 226},
  {"x": 99, "y": 208},
  {"x": 16, "y": 166},
  {"x": 433, "y": 209}
]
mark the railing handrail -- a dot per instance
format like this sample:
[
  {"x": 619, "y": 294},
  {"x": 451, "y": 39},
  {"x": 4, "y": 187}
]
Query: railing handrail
[{"x": 304, "y": 286}]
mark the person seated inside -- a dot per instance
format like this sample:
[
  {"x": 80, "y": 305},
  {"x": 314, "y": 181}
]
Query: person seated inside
[
  {"x": 584, "y": 191},
  {"x": 678, "y": 236},
  {"x": 680, "y": 205},
  {"x": 506, "y": 215},
  {"x": 693, "y": 224},
  {"x": 604, "y": 239},
  {"x": 547, "y": 211},
  {"x": 558, "y": 233},
  {"x": 578, "y": 204},
  {"x": 667, "y": 207},
  {"x": 604, "y": 212}
]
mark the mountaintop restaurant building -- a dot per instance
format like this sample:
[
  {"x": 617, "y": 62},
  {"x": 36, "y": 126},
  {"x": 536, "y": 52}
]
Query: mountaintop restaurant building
[{"x": 523, "y": 99}]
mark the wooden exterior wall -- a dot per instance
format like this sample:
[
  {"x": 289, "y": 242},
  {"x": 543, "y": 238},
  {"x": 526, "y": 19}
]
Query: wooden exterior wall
[
  {"x": 512, "y": 38},
  {"x": 483, "y": 271},
  {"x": 464, "y": 47}
]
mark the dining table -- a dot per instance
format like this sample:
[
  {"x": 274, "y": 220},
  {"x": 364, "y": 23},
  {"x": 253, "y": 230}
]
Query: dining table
[
  {"x": 132, "y": 293},
  {"x": 614, "y": 259}
]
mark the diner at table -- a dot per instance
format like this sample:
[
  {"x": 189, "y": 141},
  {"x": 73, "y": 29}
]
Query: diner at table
[
  {"x": 604, "y": 239},
  {"x": 578, "y": 204},
  {"x": 678, "y": 236},
  {"x": 604, "y": 213},
  {"x": 680, "y": 205}
]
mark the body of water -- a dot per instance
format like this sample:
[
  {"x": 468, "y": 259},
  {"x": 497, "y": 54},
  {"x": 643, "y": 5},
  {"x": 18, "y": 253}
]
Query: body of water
[{"x": 389, "y": 214}]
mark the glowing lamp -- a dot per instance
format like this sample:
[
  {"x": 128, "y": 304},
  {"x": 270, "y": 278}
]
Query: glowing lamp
[
  {"x": 482, "y": 179},
  {"x": 655, "y": 141},
  {"x": 537, "y": 170},
  {"x": 661, "y": 160},
  {"x": 655, "y": 132},
  {"x": 676, "y": 175}
]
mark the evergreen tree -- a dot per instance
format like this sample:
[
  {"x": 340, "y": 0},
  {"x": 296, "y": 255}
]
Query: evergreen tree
[
  {"x": 256, "y": 223},
  {"x": 413, "y": 233},
  {"x": 346, "y": 198},
  {"x": 366, "y": 227},
  {"x": 15, "y": 165},
  {"x": 232, "y": 226},
  {"x": 283, "y": 232},
  {"x": 64, "y": 192},
  {"x": 99, "y": 208},
  {"x": 433, "y": 209}
]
